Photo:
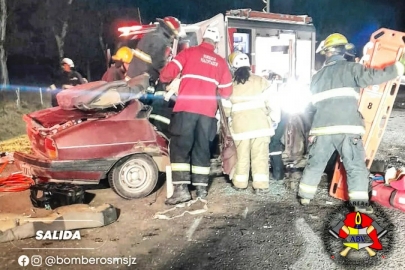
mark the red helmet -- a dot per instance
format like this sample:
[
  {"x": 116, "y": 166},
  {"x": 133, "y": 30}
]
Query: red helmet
[{"x": 172, "y": 23}]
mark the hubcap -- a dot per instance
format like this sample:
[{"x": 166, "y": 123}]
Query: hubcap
[{"x": 134, "y": 175}]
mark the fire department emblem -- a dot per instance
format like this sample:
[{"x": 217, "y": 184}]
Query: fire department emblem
[
  {"x": 359, "y": 231},
  {"x": 355, "y": 239}
]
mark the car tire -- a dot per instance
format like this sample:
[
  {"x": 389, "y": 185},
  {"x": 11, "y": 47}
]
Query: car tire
[{"x": 134, "y": 177}]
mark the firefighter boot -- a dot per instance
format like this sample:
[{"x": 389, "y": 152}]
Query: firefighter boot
[
  {"x": 277, "y": 166},
  {"x": 240, "y": 185},
  {"x": 180, "y": 194},
  {"x": 305, "y": 201},
  {"x": 201, "y": 192},
  {"x": 260, "y": 187}
]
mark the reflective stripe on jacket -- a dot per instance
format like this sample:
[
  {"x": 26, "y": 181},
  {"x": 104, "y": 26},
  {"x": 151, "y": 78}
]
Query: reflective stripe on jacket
[
  {"x": 203, "y": 71},
  {"x": 335, "y": 94},
  {"x": 252, "y": 109},
  {"x": 149, "y": 55}
]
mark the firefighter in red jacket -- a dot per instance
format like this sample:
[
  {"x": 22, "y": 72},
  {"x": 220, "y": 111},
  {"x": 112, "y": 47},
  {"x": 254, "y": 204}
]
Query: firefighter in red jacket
[{"x": 193, "y": 124}]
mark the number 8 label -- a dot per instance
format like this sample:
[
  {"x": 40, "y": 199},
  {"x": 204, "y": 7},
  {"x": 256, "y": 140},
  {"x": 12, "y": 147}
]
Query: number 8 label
[{"x": 370, "y": 105}]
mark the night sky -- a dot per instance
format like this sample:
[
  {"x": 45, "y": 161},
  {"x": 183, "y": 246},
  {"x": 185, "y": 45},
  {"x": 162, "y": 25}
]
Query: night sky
[
  {"x": 357, "y": 19},
  {"x": 32, "y": 60}
]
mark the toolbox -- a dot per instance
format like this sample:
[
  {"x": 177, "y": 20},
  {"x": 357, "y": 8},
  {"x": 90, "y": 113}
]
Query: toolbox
[{"x": 55, "y": 195}]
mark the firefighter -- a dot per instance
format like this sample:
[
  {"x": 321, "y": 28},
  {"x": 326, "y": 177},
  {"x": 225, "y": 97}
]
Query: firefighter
[
  {"x": 67, "y": 79},
  {"x": 163, "y": 106},
  {"x": 337, "y": 123},
  {"x": 231, "y": 57},
  {"x": 123, "y": 57},
  {"x": 117, "y": 70},
  {"x": 151, "y": 51},
  {"x": 184, "y": 44},
  {"x": 193, "y": 124},
  {"x": 276, "y": 147},
  {"x": 150, "y": 56},
  {"x": 251, "y": 99}
]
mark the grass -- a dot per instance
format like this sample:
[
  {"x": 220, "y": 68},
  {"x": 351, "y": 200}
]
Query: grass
[{"x": 12, "y": 127}]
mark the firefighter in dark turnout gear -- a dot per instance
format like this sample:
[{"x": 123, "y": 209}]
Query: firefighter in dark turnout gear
[
  {"x": 150, "y": 57},
  {"x": 276, "y": 147},
  {"x": 163, "y": 102},
  {"x": 150, "y": 53},
  {"x": 193, "y": 124},
  {"x": 337, "y": 123}
]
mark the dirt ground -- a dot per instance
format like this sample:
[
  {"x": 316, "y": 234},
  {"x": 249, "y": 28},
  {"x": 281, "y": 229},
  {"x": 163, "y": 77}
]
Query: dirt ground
[{"x": 240, "y": 230}]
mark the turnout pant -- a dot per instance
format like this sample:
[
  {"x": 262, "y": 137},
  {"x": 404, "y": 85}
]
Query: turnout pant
[
  {"x": 252, "y": 153},
  {"x": 276, "y": 149},
  {"x": 350, "y": 148},
  {"x": 190, "y": 147},
  {"x": 161, "y": 114}
]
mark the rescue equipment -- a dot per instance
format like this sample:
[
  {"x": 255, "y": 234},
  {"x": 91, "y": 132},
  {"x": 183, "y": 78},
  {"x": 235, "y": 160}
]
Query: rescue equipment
[
  {"x": 228, "y": 152},
  {"x": 388, "y": 196},
  {"x": 15, "y": 182},
  {"x": 385, "y": 47},
  {"x": 55, "y": 195}
]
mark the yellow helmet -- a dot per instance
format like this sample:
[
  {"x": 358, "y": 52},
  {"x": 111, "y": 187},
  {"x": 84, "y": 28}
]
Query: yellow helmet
[
  {"x": 232, "y": 56},
  {"x": 332, "y": 41},
  {"x": 123, "y": 54}
]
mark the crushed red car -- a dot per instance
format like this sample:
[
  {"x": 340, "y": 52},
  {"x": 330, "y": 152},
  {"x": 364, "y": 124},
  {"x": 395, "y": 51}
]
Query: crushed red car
[{"x": 114, "y": 141}]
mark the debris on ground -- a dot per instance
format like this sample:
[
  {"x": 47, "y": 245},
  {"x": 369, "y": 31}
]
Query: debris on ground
[
  {"x": 20, "y": 144},
  {"x": 193, "y": 207}
]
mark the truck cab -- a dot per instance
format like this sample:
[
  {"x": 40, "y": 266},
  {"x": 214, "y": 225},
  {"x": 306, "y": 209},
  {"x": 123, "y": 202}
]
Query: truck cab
[{"x": 284, "y": 44}]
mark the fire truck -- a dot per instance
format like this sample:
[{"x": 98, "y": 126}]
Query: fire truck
[
  {"x": 284, "y": 44},
  {"x": 278, "y": 43}
]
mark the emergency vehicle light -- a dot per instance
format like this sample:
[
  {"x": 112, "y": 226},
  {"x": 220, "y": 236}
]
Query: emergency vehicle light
[{"x": 126, "y": 31}]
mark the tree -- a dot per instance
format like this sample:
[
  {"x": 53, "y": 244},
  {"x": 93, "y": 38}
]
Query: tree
[
  {"x": 52, "y": 19},
  {"x": 60, "y": 33},
  {"x": 3, "y": 56}
]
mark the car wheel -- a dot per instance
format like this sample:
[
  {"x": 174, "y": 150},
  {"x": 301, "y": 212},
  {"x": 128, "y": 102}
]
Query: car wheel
[{"x": 134, "y": 177}]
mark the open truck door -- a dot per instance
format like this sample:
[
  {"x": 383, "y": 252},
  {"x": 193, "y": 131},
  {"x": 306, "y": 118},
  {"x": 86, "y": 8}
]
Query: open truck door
[{"x": 195, "y": 32}]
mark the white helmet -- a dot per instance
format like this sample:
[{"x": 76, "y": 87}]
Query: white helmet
[
  {"x": 240, "y": 60},
  {"x": 68, "y": 61},
  {"x": 212, "y": 33}
]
